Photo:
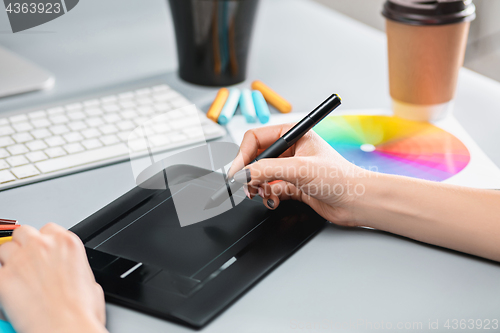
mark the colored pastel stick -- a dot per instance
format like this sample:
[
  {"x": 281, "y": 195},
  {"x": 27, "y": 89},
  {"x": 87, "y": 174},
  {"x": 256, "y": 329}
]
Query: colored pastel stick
[
  {"x": 9, "y": 227},
  {"x": 4, "y": 240},
  {"x": 247, "y": 106},
  {"x": 229, "y": 108},
  {"x": 217, "y": 105},
  {"x": 261, "y": 107},
  {"x": 272, "y": 97},
  {"x": 5, "y": 233},
  {"x": 9, "y": 222}
]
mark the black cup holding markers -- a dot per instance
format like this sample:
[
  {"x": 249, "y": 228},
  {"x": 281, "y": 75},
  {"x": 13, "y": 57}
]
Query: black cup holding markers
[{"x": 213, "y": 39}]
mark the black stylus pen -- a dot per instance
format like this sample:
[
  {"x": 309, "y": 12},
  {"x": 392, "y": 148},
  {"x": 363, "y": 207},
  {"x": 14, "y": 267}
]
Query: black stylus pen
[{"x": 280, "y": 146}]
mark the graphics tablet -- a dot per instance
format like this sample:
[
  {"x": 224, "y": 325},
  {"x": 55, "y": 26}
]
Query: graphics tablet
[{"x": 145, "y": 260}]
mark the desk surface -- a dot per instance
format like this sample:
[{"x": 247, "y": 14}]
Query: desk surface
[{"x": 341, "y": 277}]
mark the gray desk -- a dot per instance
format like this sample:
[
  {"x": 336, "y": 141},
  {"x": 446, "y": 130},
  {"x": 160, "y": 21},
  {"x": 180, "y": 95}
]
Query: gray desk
[{"x": 341, "y": 277}]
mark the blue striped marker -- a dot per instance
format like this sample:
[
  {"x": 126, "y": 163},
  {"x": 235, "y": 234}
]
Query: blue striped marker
[
  {"x": 247, "y": 107},
  {"x": 261, "y": 107},
  {"x": 229, "y": 108}
]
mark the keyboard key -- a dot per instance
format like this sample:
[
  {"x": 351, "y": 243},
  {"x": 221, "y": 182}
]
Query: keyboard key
[
  {"x": 55, "y": 152},
  {"x": 41, "y": 123},
  {"x": 59, "y": 129},
  {"x": 111, "y": 108},
  {"x": 36, "y": 145},
  {"x": 6, "y": 130},
  {"x": 73, "y": 137},
  {"x": 56, "y": 110},
  {"x": 126, "y": 95},
  {"x": 18, "y": 118},
  {"x": 91, "y": 103},
  {"x": 41, "y": 133},
  {"x": 6, "y": 141},
  {"x": 145, "y": 101},
  {"x": 145, "y": 110},
  {"x": 180, "y": 102},
  {"x": 137, "y": 144},
  {"x": 175, "y": 114},
  {"x": 4, "y": 153},
  {"x": 55, "y": 141},
  {"x": 140, "y": 120},
  {"x": 77, "y": 115},
  {"x": 142, "y": 92},
  {"x": 17, "y": 149},
  {"x": 73, "y": 107},
  {"x": 91, "y": 133},
  {"x": 128, "y": 114},
  {"x": 126, "y": 125},
  {"x": 109, "y": 99},
  {"x": 162, "y": 107},
  {"x": 184, "y": 123},
  {"x": 4, "y": 121},
  {"x": 22, "y": 137},
  {"x": 37, "y": 114},
  {"x": 4, "y": 165},
  {"x": 36, "y": 156},
  {"x": 165, "y": 96},
  {"x": 6, "y": 176},
  {"x": 94, "y": 121},
  {"x": 82, "y": 158},
  {"x": 92, "y": 143},
  {"x": 159, "y": 140},
  {"x": 77, "y": 125},
  {"x": 73, "y": 148},
  {"x": 177, "y": 137},
  {"x": 22, "y": 127},
  {"x": 108, "y": 129},
  {"x": 109, "y": 140},
  {"x": 17, "y": 160},
  {"x": 25, "y": 171},
  {"x": 94, "y": 112},
  {"x": 161, "y": 128},
  {"x": 112, "y": 118},
  {"x": 194, "y": 132},
  {"x": 124, "y": 136},
  {"x": 161, "y": 87},
  {"x": 59, "y": 119},
  {"x": 127, "y": 104}
]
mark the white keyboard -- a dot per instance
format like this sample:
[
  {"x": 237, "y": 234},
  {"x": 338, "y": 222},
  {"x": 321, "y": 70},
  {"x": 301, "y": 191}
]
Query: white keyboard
[{"x": 60, "y": 140}]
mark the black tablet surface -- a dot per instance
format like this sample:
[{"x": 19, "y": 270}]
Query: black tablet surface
[{"x": 145, "y": 260}]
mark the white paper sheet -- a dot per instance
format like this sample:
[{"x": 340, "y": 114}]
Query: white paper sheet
[{"x": 481, "y": 172}]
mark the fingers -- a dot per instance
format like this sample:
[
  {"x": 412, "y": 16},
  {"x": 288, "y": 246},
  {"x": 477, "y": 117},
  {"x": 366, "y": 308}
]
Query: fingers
[
  {"x": 52, "y": 228},
  {"x": 273, "y": 194},
  {"x": 256, "y": 140},
  {"x": 268, "y": 170},
  {"x": 23, "y": 234},
  {"x": 7, "y": 250}
]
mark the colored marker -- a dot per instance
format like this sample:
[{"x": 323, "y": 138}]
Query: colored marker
[
  {"x": 217, "y": 105},
  {"x": 272, "y": 97},
  {"x": 4, "y": 240},
  {"x": 247, "y": 106},
  {"x": 6, "y": 221},
  {"x": 229, "y": 108},
  {"x": 261, "y": 107}
]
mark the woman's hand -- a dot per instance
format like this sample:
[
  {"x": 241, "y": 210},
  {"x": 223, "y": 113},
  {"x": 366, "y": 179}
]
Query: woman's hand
[
  {"x": 46, "y": 284},
  {"x": 311, "y": 171}
]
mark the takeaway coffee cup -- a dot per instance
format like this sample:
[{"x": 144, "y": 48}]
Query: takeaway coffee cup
[
  {"x": 426, "y": 48},
  {"x": 213, "y": 39}
]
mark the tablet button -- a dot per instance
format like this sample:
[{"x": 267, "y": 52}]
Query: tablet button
[
  {"x": 173, "y": 283},
  {"x": 142, "y": 273},
  {"x": 120, "y": 267}
]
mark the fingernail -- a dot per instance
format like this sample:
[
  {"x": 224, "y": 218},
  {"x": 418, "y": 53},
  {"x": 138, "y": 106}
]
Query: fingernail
[
  {"x": 243, "y": 176},
  {"x": 270, "y": 203},
  {"x": 261, "y": 192}
]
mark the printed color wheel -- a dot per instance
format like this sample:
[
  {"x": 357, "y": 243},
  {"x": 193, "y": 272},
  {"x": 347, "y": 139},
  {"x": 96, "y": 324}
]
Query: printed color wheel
[{"x": 395, "y": 146}]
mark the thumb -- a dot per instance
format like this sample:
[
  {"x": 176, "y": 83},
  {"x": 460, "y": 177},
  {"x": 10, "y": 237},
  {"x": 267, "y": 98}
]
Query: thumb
[{"x": 271, "y": 169}]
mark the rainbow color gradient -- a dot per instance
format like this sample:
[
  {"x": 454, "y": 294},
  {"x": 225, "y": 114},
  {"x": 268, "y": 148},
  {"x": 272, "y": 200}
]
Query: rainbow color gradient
[{"x": 396, "y": 146}]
